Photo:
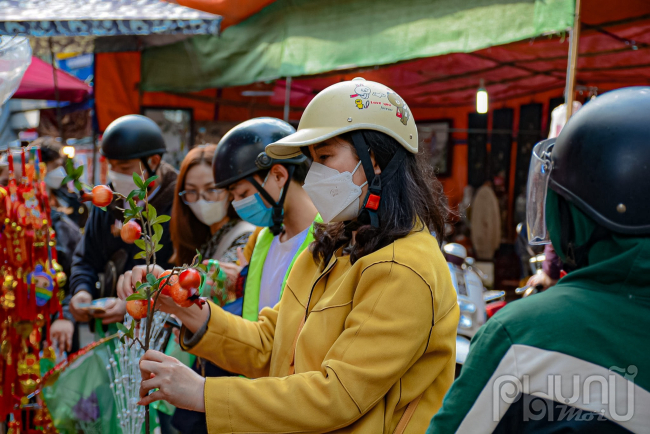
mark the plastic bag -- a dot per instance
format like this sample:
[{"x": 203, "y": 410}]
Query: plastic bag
[{"x": 15, "y": 57}]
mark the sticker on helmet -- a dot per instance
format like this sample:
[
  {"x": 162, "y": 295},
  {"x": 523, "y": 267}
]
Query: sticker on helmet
[
  {"x": 361, "y": 91},
  {"x": 402, "y": 109},
  {"x": 360, "y": 104}
]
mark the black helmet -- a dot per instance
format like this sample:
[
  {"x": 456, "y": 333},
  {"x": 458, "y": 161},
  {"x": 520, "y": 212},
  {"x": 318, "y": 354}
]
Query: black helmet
[
  {"x": 131, "y": 137},
  {"x": 240, "y": 153},
  {"x": 601, "y": 161}
]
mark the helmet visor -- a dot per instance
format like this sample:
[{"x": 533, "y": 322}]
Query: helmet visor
[{"x": 538, "y": 177}]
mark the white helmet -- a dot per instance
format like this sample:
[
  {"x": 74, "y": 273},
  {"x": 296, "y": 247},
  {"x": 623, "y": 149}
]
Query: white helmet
[{"x": 348, "y": 106}]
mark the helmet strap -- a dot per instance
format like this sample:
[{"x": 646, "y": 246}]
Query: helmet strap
[
  {"x": 278, "y": 207},
  {"x": 146, "y": 166},
  {"x": 370, "y": 210},
  {"x": 576, "y": 256}
]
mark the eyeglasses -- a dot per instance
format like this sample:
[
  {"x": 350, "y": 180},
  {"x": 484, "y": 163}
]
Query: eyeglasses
[{"x": 209, "y": 195}]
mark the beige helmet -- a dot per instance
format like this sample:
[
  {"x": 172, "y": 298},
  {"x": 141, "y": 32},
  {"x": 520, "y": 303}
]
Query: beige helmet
[{"x": 347, "y": 106}]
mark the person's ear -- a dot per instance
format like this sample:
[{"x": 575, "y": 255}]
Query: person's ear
[
  {"x": 375, "y": 165},
  {"x": 154, "y": 161},
  {"x": 280, "y": 174}
]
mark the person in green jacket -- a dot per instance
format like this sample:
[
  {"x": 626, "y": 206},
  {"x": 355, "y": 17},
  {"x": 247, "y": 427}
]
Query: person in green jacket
[
  {"x": 575, "y": 358},
  {"x": 267, "y": 193}
]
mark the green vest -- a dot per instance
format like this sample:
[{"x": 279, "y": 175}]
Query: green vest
[{"x": 250, "y": 310}]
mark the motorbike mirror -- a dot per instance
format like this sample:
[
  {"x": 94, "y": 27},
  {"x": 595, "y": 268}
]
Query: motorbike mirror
[{"x": 455, "y": 249}]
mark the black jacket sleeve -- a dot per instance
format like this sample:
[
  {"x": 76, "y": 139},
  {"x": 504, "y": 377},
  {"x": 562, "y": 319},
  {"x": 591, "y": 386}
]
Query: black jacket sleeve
[{"x": 90, "y": 256}]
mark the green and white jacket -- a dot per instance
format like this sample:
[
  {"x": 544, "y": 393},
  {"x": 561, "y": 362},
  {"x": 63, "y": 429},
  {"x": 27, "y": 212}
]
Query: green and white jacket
[{"x": 575, "y": 358}]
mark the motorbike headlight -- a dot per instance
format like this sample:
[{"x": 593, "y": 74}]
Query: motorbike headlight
[
  {"x": 465, "y": 322},
  {"x": 466, "y": 306}
]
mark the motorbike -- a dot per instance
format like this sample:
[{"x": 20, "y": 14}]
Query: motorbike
[{"x": 473, "y": 298}]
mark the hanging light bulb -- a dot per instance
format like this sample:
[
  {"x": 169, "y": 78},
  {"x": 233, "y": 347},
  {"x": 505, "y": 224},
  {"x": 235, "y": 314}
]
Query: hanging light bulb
[
  {"x": 69, "y": 151},
  {"x": 482, "y": 99}
]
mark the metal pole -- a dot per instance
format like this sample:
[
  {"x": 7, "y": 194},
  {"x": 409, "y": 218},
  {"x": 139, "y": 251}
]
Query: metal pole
[
  {"x": 56, "y": 94},
  {"x": 574, "y": 37},
  {"x": 287, "y": 99}
]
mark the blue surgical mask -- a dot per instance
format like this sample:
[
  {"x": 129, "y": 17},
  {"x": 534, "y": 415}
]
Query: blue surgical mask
[{"x": 254, "y": 211}]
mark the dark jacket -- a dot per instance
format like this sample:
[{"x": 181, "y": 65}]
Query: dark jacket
[
  {"x": 102, "y": 251},
  {"x": 573, "y": 359},
  {"x": 68, "y": 236}
]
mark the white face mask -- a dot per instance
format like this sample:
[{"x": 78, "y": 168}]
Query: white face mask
[
  {"x": 334, "y": 194},
  {"x": 122, "y": 183},
  {"x": 209, "y": 213},
  {"x": 54, "y": 178}
]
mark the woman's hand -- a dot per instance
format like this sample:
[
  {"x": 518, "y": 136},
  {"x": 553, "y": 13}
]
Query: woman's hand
[
  {"x": 176, "y": 383},
  {"x": 62, "y": 330},
  {"x": 126, "y": 283}
]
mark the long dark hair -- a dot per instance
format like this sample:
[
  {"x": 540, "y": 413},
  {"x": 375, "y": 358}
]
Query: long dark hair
[
  {"x": 413, "y": 193},
  {"x": 187, "y": 232}
]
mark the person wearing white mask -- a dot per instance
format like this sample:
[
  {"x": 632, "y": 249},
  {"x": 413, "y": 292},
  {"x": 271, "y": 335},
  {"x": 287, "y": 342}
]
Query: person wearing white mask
[
  {"x": 363, "y": 339},
  {"x": 203, "y": 219},
  {"x": 131, "y": 144}
]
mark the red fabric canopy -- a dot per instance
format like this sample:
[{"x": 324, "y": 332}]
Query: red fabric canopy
[{"x": 38, "y": 83}]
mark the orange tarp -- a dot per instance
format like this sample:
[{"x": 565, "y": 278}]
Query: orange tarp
[{"x": 231, "y": 11}]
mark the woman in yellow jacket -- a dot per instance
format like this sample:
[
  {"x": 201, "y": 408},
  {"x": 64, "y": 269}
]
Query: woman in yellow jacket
[{"x": 363, "y": 339}]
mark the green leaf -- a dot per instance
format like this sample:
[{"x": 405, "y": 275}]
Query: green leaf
[
  {"x": 103, "y": 208},
  {"x": 138, "y": 180},
  {"x": 69, "y": 166},
  {"x": 151, "y": 279},
  {"x": 135, "y": 296},
  {"x": 141, "y": 255},
  {"x": 142, "y": 194},
  {"x": 132, "y": 203},
  {"x": 141, "y": 244},
  {"x": 121, "y": 327},
  {"x": 158, "y": 247},
  {"x": 162, "y": 219},
  {"x": 157, "y": 235},
  {"x": 123, "y": 339},
  {"x": 151, "y": 213},
  {"x": 202, "y": 267},
  {"x": 79, "y": 171},
  {"x": 199, "y": 257},
  {"x": 78, "y": 185},
  {"x": 132, "y": 194},
  {"x": 138, "y": 285},
  {"x": 67, "y": 179},
  {"x": 150, "y": 180}
]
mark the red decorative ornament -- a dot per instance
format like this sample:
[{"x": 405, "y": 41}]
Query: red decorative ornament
[{"x": 30, "y": 279}]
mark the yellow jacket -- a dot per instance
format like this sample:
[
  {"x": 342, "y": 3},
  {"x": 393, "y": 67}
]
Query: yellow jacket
[{"x": 378, "y": 334}]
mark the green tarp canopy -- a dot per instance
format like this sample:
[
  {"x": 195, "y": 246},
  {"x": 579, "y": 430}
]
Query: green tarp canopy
[{"x": 305, "y": 37}]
